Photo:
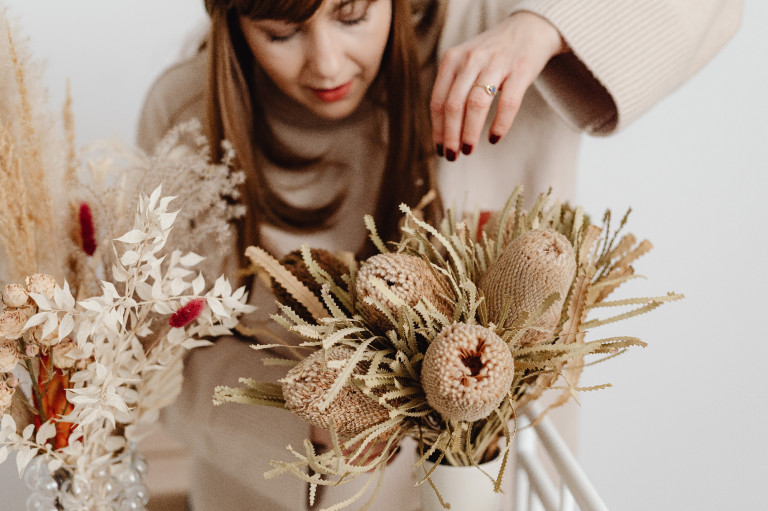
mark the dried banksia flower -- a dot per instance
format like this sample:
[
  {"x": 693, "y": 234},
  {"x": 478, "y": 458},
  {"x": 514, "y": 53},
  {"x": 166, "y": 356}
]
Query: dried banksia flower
[
  {"x": 533, "y": 266},
  {"x": 466, "y": 372},
  {"x": 305, "y": 386},
  {"x": 294, "y": 263},
  {"x": 409, "y": 277}
]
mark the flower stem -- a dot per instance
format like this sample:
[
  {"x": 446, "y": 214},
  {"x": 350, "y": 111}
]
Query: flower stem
[{"x": 36, "y": 391}]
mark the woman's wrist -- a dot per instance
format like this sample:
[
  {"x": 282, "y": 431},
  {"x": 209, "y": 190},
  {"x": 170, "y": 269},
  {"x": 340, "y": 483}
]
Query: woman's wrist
[{"x": 549, "y": 36}]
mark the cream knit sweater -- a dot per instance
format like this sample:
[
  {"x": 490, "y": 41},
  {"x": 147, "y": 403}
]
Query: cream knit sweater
[{"x": 627, "y": 55}]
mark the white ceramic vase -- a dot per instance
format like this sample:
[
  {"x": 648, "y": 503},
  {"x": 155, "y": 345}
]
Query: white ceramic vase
[{"x": 464, "y": 488}]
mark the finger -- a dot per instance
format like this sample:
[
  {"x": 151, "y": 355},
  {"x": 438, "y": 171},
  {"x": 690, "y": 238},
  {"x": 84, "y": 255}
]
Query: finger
[
  {"x": 446, "y": 75},
  {"x": 510, "y": 97},
  {"x": 455, "y": 108},
  {"x": 479, "y": 102}
]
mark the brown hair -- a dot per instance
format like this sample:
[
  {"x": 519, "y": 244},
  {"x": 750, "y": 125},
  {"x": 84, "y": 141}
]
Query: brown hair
[{"x": 235, "y": 114}]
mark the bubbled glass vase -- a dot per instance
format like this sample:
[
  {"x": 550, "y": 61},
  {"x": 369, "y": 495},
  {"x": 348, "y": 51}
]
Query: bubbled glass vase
[{"x": 117, "y": 485}]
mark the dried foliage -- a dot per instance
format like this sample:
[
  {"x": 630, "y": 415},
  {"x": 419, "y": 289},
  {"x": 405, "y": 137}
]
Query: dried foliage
[
  {"x": 580, "y": 263},
  {"x": 103, "y": 291}
]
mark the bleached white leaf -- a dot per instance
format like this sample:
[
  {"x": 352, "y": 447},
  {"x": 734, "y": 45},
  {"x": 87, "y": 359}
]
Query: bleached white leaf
[
  {"x": 27, "y": 433},
  {"x": 144, "y": 291},
  {"x": 66, "y": 325},
  {"x": 195, "y": 343},
  {"x": 218, "y": 286},
  {"x": 176, "y": 336},
  {"x": 36, "y": 320},
  {"x": 198, "y": 284},
  {"x": 133, "y": 236},
  {"x": 165, "y": 202},
  {"x": 61, "y": 297},
  {"x": 3, "y": 454},
  {"x": 191, "y": 259},
  {"x": 109, "y": 290},
  {"x": 42, "y": 301},
  {"x": 167, "y": 219},
  {"x": 230, "y": 302},
  {"x": 130, "y": 257},
  {"x": 177, "y": 286},
  {"x": 90, "y": 304},
  {"x": 163, "y": 308},
  {"x": 119, "y": 274},
  {"x": 23, "y": 457},
  {"x": 7, "y": 425},
  {"x": 239, "y": 293},
  {"x": 179, "y": 273},
  {"x": 216, "y": 307},
  {"x": 80, "y": 376},
  {"x": 101, "y": 370},
  {"x": 51, "y": 322},
  {"x": 82, "y": 337},
  {"x": 45, "y": 433},
  {"x": 153, "y": 198},
  {"x": 217, "y": 331},
  {"x": 54, "y": 465},
  {"x": 114, "y": 443},
  {"x": 69, "y": 300}
]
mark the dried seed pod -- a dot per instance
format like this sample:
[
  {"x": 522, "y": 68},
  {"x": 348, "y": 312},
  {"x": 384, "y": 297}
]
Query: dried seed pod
[
  {"x": 306, "y": 385},
  {"x": 294, "y": 263},
  {"x": 466, "y": 372},
  {"x": 409, "y": 277},
  {"x": 533, "y": 266}
]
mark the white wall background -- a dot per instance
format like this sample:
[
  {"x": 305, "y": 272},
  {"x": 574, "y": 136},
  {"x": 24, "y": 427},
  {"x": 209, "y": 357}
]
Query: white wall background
[{"x": 684, "y": 426}]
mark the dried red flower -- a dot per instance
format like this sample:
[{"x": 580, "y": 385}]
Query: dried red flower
[
  {"x": 87, "y": 232},
  {"x": 188, "y": 313}
]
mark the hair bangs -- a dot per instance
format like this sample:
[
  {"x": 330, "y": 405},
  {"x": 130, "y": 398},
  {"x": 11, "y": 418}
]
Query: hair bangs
[{"x": 296, "y": 11}]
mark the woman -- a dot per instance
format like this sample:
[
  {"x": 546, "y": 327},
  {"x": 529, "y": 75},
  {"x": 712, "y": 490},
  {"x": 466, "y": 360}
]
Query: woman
[{"x": 338, "y": 108}]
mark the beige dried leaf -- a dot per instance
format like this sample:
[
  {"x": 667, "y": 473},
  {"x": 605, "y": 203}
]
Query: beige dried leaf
[{"x": 285, "y": 278}]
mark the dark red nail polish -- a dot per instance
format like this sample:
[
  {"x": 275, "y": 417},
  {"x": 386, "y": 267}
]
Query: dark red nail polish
[
  {"x": 466, "y": 148},
  {"x": 494, "y": 138},
  {"x": 450, "y": 155},
  {"x": 439, "y": 150}
]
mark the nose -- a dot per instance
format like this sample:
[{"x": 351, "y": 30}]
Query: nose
[{"x": 324, "y": 55}]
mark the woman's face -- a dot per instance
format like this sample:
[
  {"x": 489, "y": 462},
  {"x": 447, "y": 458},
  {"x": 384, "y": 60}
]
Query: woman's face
[{"x": 328, "y": 62}]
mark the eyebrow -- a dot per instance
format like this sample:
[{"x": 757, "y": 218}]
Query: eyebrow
[{"x": 343, "y": 3}]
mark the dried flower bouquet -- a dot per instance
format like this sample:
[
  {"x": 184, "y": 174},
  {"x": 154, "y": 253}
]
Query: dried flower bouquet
[
  {"x": 444, "y": 335},
  {"x": 103, "y": 292}
]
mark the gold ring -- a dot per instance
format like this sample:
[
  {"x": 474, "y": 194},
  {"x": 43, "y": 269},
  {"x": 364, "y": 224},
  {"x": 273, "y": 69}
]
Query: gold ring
[{"x": 491, "y": 90}]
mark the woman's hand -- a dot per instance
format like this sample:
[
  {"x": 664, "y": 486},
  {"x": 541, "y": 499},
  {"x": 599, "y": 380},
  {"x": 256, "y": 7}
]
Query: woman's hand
[{"x": 509, "y": 56}]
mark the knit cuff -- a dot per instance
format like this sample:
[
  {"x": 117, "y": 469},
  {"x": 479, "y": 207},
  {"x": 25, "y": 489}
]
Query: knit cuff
[{"x": 625, "y": 56}]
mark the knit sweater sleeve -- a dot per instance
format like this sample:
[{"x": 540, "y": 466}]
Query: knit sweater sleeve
[
  {"x": 627, "y": 55},
  {"x": 177, "y": 95}
]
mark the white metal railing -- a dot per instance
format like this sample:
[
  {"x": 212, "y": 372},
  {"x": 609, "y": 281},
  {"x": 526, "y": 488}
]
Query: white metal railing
[{"x": 534, "y": 488}]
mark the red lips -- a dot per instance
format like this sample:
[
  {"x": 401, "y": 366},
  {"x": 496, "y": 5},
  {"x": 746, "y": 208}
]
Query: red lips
[{"x": 335, "y": 94}]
